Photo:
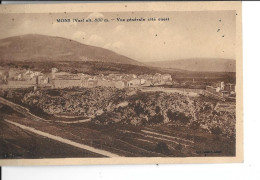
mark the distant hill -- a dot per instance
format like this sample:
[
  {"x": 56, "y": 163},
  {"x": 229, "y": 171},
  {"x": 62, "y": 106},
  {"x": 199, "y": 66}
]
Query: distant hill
[
  {"x": 37, "y": 48},
  {"x": 204, "y": 65}
]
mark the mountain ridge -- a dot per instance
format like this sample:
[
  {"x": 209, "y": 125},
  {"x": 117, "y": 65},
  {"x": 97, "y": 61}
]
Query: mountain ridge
[
  {"x": 43, "y": 48},
  {"x": 35, "y": 47},
  {"x": 197, "y": 64}
]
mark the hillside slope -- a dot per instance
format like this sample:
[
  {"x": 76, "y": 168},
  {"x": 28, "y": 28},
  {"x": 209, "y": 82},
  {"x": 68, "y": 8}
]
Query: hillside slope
[
  {"x": 34, "y": 47},
  {"x": 196, "y": 64}
]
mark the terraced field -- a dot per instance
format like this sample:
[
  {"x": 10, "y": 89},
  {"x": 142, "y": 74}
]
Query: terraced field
[{"x": 129, "y": 141}]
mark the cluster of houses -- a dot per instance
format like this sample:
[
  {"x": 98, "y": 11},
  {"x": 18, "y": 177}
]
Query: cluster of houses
[
  {"x": 222, "y": 90},
  {"x": 25, "y": 78},
  {"x": 21, "y": 78},
  {"x": 18, "y": 78},
  {"x": 66, "y": 80}
]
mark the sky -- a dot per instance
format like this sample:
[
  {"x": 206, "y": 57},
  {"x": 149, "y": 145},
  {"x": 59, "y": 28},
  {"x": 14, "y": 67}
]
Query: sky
[{"x": 187, "y": 34}]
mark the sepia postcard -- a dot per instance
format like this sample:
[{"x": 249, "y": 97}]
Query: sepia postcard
[{"x": 121, "y": 83}]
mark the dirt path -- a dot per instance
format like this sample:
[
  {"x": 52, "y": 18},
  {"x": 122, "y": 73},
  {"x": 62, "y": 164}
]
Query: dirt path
[
  {"x": 74, "y": 122},
  {"x": 65, "y": 141},
  {"x": 167, "y": 136}
]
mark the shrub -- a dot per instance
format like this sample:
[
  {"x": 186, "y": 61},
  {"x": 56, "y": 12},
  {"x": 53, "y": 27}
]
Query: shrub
[
  {"x": 157, "y": 109},
  {"x": 194, "y": 125},
  {"x": 216, "y": 130},
  {"x": 143, "y": 121},
  {"x": 156, "y": 119},
  {"x": 53, "y": 92},
  {"x": 138, "y": 109},
  {"x": 178, "y": 147},
  {"x": 170, "y": 115},
  {"x": 162, "y": 147},
  {"x": 180, "y": 116}
]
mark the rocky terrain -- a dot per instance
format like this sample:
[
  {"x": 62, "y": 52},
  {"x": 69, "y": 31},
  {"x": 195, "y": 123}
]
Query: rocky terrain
[{"x": 106, "y": 106}]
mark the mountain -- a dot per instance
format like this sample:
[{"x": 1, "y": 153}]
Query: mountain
[
  {"x": 33, "y": 47},
  {"x": 198, "y": 64}
]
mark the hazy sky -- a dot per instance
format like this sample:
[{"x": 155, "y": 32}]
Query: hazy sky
[{"x": 186, "y": 35}]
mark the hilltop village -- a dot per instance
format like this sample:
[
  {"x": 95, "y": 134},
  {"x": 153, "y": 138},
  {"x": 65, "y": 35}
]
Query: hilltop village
[
  {"x": 24, "y": 78},
  {"x": 19, "y": 78}
]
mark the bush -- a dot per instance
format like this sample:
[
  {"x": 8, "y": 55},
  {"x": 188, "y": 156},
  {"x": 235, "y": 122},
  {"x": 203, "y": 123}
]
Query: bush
[
  {"x": 138, "y": 109},
  {"x": 178, "y": 147},
  {"x": 216, "y": 130},
  {"x": 143, "y": 121},
  {"x": 194, "y": 125},
  {"x": 157, "y": 109},
  {"x": 156, "y": 119},
  {"x": 170, "y": 115},
  {"x": 162, "y": 147},
  {"x": 178, "y": 116},
  {"x": 6, "y": 110},
  {"x": 53, "y": 92}
]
